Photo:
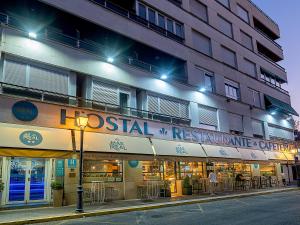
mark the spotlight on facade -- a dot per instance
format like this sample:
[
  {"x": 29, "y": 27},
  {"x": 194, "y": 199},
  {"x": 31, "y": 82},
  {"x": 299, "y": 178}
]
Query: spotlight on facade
[
  {"x": 110, "y": 59},
  {"x": 273, "y": 113},
  {"x": 32, "y": 35},
  {"x": 203, "y": 89},
  {"x": 163, "y": 77}
]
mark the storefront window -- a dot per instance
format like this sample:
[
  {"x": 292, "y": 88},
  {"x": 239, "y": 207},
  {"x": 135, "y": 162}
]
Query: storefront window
[
  {"x": 102, "y": 170},
  {"x": 1, "y": 163},
  {"x": 267, "y": 170},
  {"x": 152, "y": 170},
  {"x": 191, "y": 169},
  {"x": 232, "y": 169}
]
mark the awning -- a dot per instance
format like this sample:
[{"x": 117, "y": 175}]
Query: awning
[
  {"x": 289, "y": 156},
  {"x": 276, "y": 156},
  {"x": 34, "y": 137},
  {"x": 177, "y": 149},
  {"x": 214, "y": 151},
  {"x": 35, "y": 153},
  {"x": 277, "y": 105},
  {"x": 252, "y": 155},
  {"x": 108, "y": 143}
]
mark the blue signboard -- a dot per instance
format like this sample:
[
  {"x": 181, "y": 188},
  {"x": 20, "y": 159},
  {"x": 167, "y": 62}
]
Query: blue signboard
[
  {"x": 72, "y": 163},
  {"x": 25, "y": 111},
  {"x": 31, "y": 138},
  {"x": 60, "y": 167}
]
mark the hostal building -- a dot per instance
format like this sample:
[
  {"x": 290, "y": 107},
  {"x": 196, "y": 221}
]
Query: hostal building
[{"x": 172, "y": 88}]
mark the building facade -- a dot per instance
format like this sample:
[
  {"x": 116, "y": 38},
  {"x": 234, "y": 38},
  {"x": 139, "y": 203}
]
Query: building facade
[{"x": 171, "y": 88}]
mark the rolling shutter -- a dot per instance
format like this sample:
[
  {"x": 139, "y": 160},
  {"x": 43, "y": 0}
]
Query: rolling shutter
[
  {"x": 228, "y": 56},
  {"x": 250, "y": 67},
  {"x": 246, "y": 40},
  {"x": 15, "y": 73},
  {"x": 202, "y": 43},
  {"x": 169, "y": 107},
  {"x": 153, "y": 103},
  {"x": 257, "y": 127},
  {"x": 199, "y": 9},
  {"x": 225, "y": 26},
  {"x": 48, "y": 80},
  {"x": 281, "y": 133},
  {"x": 105, "y": 93},
  {"x": 208, "y": 115},
  {"x": 235, "y": 122}
]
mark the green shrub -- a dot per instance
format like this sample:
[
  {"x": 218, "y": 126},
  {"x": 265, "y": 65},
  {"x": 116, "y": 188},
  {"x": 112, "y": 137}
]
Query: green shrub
[
  {"x": 186, "y": 182},
  {"x": 56, "y": 185}
]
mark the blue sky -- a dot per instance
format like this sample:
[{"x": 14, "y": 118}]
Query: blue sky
[{"x": 287, "y": 14}]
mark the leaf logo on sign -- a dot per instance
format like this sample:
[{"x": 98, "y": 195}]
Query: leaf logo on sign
[
  {"x": 31, "y": 138},
  {"x": 117, "y": 145},
  {"x": 163, "y": 131}
]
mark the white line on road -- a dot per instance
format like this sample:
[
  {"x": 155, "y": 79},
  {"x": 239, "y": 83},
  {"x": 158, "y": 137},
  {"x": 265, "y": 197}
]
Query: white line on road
[{"x": 200, "y": 208}]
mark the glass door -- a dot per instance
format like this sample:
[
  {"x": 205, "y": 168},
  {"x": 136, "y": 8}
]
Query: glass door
[{"x": 26, "y": 180}]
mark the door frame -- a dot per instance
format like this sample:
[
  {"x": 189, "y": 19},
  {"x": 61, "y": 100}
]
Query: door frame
[{"x": 6, "y": 179}]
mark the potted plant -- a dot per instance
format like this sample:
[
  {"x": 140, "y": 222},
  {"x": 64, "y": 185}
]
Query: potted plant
[
  {"x": 58, "y": 190},
  {"x": 1, "y": 190},
  {"x": 187, "y": 187}
]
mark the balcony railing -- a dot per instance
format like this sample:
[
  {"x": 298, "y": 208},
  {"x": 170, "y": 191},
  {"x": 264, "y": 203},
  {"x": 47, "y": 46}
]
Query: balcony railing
[
  {"x": 267, "y": 37},
  {"x": 271, "y": 61},
  {"x": 85, "y": 45},
  {"x": 52, "y": 97},
  {"x": 134, "y": 17},
  {"x": 276, "y": 87}
]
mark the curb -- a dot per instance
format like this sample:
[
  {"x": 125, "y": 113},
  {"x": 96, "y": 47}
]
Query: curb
[{"x": 142, "y": 207}]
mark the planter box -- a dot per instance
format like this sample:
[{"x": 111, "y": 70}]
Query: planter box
[
  {"x": 187, "y": 191},
  {"x": 58, "y": 198}
]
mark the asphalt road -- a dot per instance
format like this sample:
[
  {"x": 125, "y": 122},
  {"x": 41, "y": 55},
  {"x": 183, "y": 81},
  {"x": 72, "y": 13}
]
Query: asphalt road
[{"x": 272, "y": 209}]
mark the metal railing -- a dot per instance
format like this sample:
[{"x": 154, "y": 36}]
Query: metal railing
[
  {"x": 85, "y": 45},
  {"x": 259, "y": 9},
  {"x": 276, "y": 87},
  {"x": 267, "y": 37},
  {"x": 53, "y": 97},
  {"x": 271, "y": 61},
  {"x": 134, "y": 17}
]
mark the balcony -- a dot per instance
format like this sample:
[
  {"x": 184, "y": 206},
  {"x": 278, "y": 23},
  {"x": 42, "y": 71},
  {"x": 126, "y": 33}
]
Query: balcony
[
  {"x": 135, "y": 18},
  {"x": 260, "y": 27},
  {"x": 51, "y": 97}
]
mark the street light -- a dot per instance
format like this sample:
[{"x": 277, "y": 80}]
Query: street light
[{"x": 82, "y": 122}]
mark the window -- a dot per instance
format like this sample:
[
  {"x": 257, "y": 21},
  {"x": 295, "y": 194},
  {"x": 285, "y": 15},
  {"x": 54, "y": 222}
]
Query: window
[
  {"x": 249, "y": 67},
  {"x": 102, "y": 170},
  {"x": 161, "y": 21},
  {"x": 255, "y": 98},
  {"x": 225, "y": 26},
  {"x": 202, "y": 43},
  {"x": 105, "y": 93},
  {"x": 170, "y": 27},
  {"x": 142, "y": 11},
  {"x": 225, "y": 3},
  {"x": 168, "y": 106},
  {"x": 199, "y": 9},
  {"x": 229, "y": 57},
  {"x": 179, "y": 29},
  {"x": 257, "y": 128},
  {"x": 208, "y": 116},
  {"x": 235, "y": 123},
  {"x": 151, "y": 16},
  {"x": 209, "y": 82},
  {"x": 270, "y": 78},
  {"x": 232, "y": 89},
  {"x": 246, "y": 40},
  {"x": 243, "y": 13},
  {"x": 280, "y": 132}
]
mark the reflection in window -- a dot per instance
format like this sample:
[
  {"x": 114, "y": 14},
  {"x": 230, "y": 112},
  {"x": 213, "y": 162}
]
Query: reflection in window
[{"x": 102, "y": 170}]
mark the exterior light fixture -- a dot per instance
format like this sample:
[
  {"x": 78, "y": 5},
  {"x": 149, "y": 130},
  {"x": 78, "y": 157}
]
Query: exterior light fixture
[
  {"x": 273, "y": 113},
  {"x": 32, "y": 35},
  {"x": 163, "y": 77},
  {"x": 82, "y": 121},
  {"x": 110, "y": 59}
]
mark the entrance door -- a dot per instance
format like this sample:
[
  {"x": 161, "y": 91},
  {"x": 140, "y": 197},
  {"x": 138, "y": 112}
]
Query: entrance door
[{"x": 26, "y": 180}]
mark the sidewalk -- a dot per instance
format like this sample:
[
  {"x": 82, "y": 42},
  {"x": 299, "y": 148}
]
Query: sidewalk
[{"x": 45, "y": 214}]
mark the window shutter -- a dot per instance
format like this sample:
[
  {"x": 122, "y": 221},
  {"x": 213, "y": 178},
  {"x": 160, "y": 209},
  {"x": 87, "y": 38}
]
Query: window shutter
[
  {"x": 224, "y": 2},
  {"x": 225, "y": 26},
  {"x": 15, "y": 73},
  {"x": 48, "y": 80},
  {"x": 184, "y": 110},
  {"x": 243, "y": 14},
  {"x": 202, "y": 43},
  {"x": 169, "y": 107},
  {"x": 199, "y": 9},
  {"x": 208, "y": 115},
  {"x": 105, "y": 93},
  {"x": 235, "y": 122},
  {"x": 228, "y": 56},
  {"x": 280, "y": 132},
  {"x": 250, "y": 67},
  {"x": 246, "y": 40},
  {"x": 153, "y": 104},
  {"x": 257, "y": 127}
]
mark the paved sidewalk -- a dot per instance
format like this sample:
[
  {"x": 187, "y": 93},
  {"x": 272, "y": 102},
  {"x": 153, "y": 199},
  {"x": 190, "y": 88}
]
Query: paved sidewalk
[{"x": 45, "y": 214}]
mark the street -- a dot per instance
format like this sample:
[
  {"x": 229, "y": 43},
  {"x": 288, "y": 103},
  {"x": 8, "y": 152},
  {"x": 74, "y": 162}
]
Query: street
[{"x": 272, "y": 209}]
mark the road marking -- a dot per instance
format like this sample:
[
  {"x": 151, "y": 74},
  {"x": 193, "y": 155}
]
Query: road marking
[{"x": 200, "y": 208}]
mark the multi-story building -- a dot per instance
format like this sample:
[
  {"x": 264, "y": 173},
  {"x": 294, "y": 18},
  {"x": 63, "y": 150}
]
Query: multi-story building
[{"x": 171, "y": 88}]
